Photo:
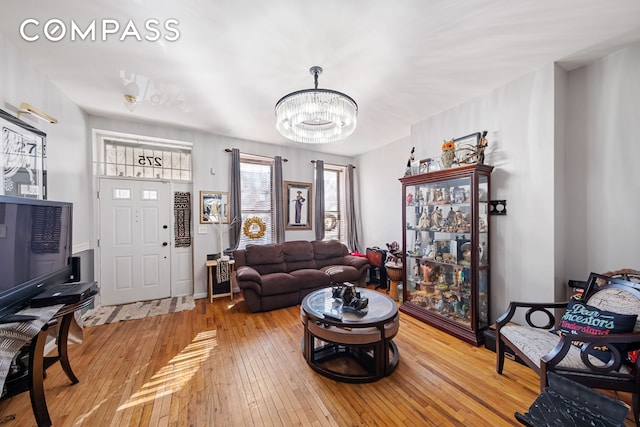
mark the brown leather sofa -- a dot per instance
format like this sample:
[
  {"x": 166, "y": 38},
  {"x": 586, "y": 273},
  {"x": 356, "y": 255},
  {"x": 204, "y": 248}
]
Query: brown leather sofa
[{"x": 282, "y": 274}]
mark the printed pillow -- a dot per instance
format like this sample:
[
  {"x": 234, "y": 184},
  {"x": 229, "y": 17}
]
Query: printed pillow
[{"x": 580, "y": 318}]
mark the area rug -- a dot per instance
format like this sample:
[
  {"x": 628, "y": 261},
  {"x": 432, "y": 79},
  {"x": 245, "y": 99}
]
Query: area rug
[{"x": 137, "y": 310}]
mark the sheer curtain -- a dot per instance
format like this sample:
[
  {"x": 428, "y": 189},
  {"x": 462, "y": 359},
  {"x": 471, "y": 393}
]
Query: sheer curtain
[
  {"x": 351, "y": 221},
  {"x": 318, "y": 209},
  {"x": 235, "y": 208},
  {"x": 279, "y": 199}
]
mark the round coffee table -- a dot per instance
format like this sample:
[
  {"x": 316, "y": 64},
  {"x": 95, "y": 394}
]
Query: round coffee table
[{"x": 332, "y": 332}]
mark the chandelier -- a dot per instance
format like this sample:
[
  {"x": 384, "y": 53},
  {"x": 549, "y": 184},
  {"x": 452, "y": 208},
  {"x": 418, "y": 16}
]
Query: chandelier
[{"x": 316, "y": 116}]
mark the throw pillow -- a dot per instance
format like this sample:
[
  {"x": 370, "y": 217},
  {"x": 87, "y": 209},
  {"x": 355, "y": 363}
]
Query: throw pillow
[{"x": 580, "y": 318}]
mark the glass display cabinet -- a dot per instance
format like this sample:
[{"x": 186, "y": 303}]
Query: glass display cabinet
[{"x": 446, "y": 249}]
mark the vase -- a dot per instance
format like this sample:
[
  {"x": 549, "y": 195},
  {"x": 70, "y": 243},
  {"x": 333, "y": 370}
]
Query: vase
[{"x": 448, "y": 158}]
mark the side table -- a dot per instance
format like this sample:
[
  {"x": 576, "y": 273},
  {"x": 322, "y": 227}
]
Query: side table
[
  {"x": 33, "y": 379},
  {"x": 211, "y": 264}
]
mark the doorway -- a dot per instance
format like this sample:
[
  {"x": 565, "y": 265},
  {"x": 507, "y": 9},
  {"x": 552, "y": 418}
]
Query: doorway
[{"x": 135, "y": 237}]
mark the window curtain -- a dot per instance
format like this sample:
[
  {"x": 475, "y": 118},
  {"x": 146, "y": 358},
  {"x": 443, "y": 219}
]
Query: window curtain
[
  {"x": 235, "y": 208},
  {"x": 351, "y": 222},
  {"x": 318, "y": 209},
  {"x": 279, "y": 198}
]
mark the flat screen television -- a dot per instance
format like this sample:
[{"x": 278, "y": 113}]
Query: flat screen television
[{"x": 35, "y": 250}]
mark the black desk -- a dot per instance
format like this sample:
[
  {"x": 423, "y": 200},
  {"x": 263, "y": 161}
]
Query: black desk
[{"x": 33, "y": 378}]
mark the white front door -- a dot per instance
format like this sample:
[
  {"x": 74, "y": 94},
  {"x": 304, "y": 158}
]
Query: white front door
[{"x": 135, "y": 237}]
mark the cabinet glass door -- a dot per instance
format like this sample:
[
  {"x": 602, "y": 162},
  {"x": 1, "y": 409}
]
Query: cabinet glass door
[{"x": 439, "y": 247}]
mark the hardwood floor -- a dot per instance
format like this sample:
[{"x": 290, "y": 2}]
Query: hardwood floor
[{"x": 219, "y": 365}]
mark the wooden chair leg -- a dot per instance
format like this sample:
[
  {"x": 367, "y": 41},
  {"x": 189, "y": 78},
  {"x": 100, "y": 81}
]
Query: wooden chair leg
[{"x": 499, "y": 353}]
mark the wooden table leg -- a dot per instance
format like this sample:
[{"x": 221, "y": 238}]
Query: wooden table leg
[
  {"x": 63, "y": 341},
  {"x": 36, "y": 379},
  {"x": 210, "y": 283}
]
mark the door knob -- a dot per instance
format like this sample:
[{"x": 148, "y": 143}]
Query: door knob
[
  {"x": 165, "y": 226},
  {"x": 164, "y": 243}
]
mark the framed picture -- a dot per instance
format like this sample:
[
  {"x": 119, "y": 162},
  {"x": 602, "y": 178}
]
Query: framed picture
[
  {"x": 214, "y": 207},
  {"x": 298, "y": 205},
  {"x": 467, "y": 148},
  {"x": 468, "y": 140},
  {"x": 22, "y": 154},
  {"x": 424, "y": 166}
]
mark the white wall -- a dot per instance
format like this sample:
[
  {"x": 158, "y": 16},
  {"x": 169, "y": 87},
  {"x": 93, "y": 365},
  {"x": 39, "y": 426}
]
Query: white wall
[
  {"x": 603, "y": 122},
  {"x": 564, "y": 146},
  {"x": 209, "y": 153},
  {"x": 519, "y": 119},
  {"x": 68, "y": 144}
]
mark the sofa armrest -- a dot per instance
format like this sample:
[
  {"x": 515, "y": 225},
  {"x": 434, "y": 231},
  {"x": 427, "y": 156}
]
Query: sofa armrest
[
  {"x": 355, "y": 261},
  {"x": 248, "y": 274}
]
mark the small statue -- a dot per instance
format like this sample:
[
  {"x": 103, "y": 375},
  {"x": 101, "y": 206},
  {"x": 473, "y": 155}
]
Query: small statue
[
  {"x": 423, "y": 222},
  {"x": 409, "y": 162},
  {"x": 446, "y": 195},
  {"x": 481, "y": 147},
  {"x": 459, "y": 219},
  {"x": 411, "y": 157},
  {"x": 436, "y": 216},
  {"x": 451, "y": 217}
]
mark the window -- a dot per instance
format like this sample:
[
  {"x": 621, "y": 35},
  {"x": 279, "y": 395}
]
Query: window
[
  {"x": 334, "y": 202},
  {"x": 256, "y": 196},
  {"x": 145, "y": 159}
]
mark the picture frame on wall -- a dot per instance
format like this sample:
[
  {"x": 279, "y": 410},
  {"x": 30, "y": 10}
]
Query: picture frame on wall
[
  {"x": 214, "y": 207},
  {"x": 298, "y": 205},
  {"x": 23, "y": 156}
]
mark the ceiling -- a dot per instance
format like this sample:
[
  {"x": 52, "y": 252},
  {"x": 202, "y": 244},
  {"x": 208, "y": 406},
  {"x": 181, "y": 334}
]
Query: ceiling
[{"x": 402, "y": 61}]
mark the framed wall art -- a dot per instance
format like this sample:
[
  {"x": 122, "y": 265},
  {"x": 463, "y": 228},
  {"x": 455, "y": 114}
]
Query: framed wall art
[
  {"x": 214, "y": 207},
  {"x": 298, "y": 205},
  {"x": 22, "y": 156}
]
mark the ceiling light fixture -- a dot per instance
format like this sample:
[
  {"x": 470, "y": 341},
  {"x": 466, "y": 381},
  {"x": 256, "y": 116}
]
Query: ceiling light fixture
[
  {"x": 30, "y": 109},
  {"x": 130, "y": 102},
  {"x": 316, "y": 116}
]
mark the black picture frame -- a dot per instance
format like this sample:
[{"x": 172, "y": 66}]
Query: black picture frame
[{"x": 23, "y": 151}]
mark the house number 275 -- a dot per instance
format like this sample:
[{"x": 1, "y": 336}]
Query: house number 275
[{"x": 150, "y": 161}]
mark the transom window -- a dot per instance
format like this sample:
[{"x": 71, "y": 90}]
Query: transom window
[{"x": 145, "y": 159}]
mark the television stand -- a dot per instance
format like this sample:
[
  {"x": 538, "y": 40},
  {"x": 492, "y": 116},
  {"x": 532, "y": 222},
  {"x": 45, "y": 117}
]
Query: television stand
[
  {"x": 17, "y": 318},
  {"x": 33, "y": 378}
]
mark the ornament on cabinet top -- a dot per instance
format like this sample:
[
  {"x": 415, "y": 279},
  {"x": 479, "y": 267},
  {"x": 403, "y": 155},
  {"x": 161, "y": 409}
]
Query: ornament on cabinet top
[{"x": 448, "y": 156}]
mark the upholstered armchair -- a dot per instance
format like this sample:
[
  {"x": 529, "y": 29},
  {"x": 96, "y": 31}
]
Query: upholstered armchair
[{"x": 588, "y": 345}]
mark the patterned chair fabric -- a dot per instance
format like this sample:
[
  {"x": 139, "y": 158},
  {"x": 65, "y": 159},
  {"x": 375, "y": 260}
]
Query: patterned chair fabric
[{"x": 546, "y": 352}]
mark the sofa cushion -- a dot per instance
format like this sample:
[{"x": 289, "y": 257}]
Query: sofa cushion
[
  {"x": 279, "y": 283},
  {"x": 617, "y": 300},
  {"x": 535, "y": 343},
  {"x": 299, "y": 250},
  {"x": 266, "y": 259},
  {"x": 580, "y": 318},
  {"x": 311, "y": 278},
  {"x": 341, "y": 273},
  {"x": 264, "y": 254},
  {"x": 298, "y": 255},
  {"x": 328, "y": 249}
]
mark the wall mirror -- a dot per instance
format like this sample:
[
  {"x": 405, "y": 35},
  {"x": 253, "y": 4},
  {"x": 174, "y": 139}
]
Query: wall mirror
[{"x": 214, "y": 207}]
